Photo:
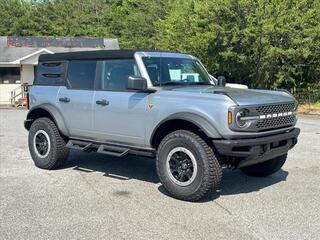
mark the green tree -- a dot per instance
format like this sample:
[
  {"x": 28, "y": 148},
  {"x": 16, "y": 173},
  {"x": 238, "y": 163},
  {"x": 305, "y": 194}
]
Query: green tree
[
  {"x": 134, "y": 21},
  {"x": 267, "y": 44},
  {"x": 16, "y": 18},
  {"x": 260, "y": 43}
]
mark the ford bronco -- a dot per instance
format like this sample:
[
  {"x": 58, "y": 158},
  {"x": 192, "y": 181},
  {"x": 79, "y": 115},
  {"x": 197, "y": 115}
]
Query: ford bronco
[{"x": 161, "y": 105}]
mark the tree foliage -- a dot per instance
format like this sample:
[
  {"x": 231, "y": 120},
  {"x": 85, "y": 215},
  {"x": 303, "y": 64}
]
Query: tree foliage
[{"x": 273, "y": 43}]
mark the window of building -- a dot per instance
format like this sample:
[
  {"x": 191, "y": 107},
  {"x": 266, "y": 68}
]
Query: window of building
[
  {"x": 9, "y": 75},
  {"x": 115, "y": 74},
  {"x": 81, "y": 74}
]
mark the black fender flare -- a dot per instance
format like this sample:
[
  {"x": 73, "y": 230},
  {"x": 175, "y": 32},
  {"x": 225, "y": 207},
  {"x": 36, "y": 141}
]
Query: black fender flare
[
  {"x": 54, "y": 113},
  {"x": 194, "y": 118}
]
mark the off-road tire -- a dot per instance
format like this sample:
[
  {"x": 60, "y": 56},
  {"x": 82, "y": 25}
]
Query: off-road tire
[
  {"x": 58, "y": 152},
  {"x": 265, "y": 168},
  {"x": 209, "y": 171}
]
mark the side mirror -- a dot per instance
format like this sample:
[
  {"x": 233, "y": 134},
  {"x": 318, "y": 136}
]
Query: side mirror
[
  {"x": 136, "y": 83},
  {"x": 222, "y": 81}
]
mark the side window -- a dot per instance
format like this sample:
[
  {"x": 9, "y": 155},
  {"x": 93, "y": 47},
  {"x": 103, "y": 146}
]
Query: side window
[
  {"x": 81, "y": 74},
  {"x": 50, "y": 73},
  {"x": 115, "y": 74}
]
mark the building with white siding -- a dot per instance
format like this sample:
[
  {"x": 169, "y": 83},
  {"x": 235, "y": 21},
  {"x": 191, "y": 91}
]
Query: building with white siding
[{"x": 19, "y": 58}]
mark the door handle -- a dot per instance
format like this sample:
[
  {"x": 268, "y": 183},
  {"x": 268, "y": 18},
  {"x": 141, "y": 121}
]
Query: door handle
[
  {"x": 64, "y": 99},
  {"x": 102, "y": 102}
]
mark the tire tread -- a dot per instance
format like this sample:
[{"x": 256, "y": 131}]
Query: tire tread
[
  {"x": 60, "y": 151},
  {"x": 211, "y": 178},
  {"x": 265, "y": 168}
]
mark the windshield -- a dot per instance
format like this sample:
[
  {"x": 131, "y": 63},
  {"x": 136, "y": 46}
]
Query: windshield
[{"x": 176, "y": 71}]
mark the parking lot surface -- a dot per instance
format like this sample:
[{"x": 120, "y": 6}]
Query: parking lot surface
[{"x": 100, "y": 197}]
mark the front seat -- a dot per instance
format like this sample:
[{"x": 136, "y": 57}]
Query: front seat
[{"x": 118, "y": 78}]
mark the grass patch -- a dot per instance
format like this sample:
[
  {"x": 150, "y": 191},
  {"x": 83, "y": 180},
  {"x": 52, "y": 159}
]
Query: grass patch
[{"x": 309, "y": 107}]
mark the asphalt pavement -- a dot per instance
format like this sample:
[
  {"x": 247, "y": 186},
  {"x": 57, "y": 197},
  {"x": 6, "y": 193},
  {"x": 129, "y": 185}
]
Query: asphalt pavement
[{"x": 101, "y": 197}]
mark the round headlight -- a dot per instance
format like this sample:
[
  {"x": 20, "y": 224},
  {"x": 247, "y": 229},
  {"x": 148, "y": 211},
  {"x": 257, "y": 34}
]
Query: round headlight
[{"x": 240, "y": 118}]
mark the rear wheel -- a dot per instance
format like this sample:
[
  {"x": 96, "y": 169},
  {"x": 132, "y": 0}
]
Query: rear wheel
[
  {"x": 46, "y": 145},
  {"x": 187, "y": 166},
  {"x": 265, "y": 168}
]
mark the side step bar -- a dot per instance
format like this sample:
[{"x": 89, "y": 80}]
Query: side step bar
[
  {"x": 113, "y": 151},
  {"x": 108, "y": 148},
  {"x": 79, "y": 145}
]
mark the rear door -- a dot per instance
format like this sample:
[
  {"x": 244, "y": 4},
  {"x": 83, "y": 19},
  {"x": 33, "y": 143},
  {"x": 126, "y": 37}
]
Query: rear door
[
  {"x": 119, "y": 114},
  {"x": 76, "y": 98}
]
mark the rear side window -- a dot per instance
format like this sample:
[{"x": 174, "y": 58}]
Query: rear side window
[
  {"x": 50, "y": 73},
  {"x": 81, "y": 74}
]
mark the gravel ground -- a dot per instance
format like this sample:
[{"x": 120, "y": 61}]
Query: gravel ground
[{"x": 101, "y": 197}]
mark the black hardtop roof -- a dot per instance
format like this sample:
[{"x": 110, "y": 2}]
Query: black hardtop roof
[{"x": 98, "y": 54}]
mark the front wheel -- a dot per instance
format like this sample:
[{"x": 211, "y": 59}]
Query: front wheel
[
  {"x": 265, "y": 168},
  {"x": 46, "y": 145},
  {"x": 187, "y": 166}
]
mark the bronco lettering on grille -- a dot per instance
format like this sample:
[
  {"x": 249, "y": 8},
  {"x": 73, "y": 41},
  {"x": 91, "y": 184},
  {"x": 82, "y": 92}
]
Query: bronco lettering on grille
[{"x": 274, "y": 115}]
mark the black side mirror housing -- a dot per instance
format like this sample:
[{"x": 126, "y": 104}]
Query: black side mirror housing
[
  {"x": 136, "y": 83},
  {"x": 222, "y": 81}
]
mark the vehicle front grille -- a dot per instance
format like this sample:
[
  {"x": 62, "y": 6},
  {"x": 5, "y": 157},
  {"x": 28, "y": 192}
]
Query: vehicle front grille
[
  {"x": 279, "y": 108},
  {"x": 272, "y": 122},
  {"x": 276, "y": 122}
]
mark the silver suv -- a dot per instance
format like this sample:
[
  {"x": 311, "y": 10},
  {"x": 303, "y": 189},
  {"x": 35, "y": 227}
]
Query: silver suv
[{"x": 160, "y": 105}]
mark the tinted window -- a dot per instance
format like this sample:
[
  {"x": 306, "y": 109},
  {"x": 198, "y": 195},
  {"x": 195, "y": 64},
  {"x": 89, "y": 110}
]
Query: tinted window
[
  {"x": 50, "y": 73},
  {"x": 115, "y": 74},
  {"x": 81, "y": 74}
]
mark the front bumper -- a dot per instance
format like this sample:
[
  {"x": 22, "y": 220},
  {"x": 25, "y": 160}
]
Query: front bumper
[{"x": 256, "y": 150}]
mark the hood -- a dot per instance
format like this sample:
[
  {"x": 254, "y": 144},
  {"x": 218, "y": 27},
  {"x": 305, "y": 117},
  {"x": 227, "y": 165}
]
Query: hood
[{"x": 242, "y": 96}]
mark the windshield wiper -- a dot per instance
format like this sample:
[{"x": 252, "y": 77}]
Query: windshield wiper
[
  {"x": 182, "y": 83},
  {"x": 171, "y": 83},
  {"x": 199, "y": 83}
]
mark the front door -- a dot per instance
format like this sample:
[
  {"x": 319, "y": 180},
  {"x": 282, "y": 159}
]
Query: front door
[{"x": 118, "y": 114}]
